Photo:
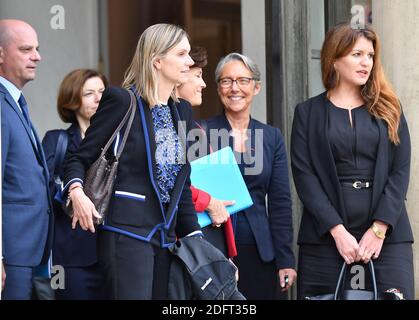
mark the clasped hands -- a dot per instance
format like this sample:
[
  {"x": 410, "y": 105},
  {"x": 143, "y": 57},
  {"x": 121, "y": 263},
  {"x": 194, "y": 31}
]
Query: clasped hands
[{"x": 351, "y": 251}]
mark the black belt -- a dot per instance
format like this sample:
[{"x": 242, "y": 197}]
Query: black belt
[{"x": 357, "y": 184}]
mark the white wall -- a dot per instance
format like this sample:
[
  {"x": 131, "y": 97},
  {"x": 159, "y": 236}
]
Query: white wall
[
  {"x": 253, "y": 41},
  {"x": 316, "y": 23},
  {"x": 76, "y": 46},
  {"x": 396, "y": 22}
]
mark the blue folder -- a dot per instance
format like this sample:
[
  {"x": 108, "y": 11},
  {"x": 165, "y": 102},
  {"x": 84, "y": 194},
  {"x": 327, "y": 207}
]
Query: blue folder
[{"x": 219, "y": 175}]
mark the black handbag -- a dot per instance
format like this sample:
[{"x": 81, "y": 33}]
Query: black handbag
[
  {"x": 202, "y": 271},
  {"x": 341, "y": 294},
  {"x": 100, "y": 177}
]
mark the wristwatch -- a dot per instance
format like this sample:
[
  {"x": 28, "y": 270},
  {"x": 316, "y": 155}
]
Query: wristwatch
[{"x": 378, "y": 232}]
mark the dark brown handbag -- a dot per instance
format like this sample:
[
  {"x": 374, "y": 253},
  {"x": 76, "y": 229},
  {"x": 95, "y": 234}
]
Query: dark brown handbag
[{"x": 100, "y": 178}]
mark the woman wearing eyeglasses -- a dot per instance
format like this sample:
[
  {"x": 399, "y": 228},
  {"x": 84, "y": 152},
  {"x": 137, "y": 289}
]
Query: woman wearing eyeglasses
[
  {"x": 264, "y": 231},
  {"x": 220, "y": 233}
]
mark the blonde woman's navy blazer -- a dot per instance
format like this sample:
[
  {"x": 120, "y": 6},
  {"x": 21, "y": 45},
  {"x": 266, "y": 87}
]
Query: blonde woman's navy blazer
[
  {"x": 136, "y": 209},
  {"x": 317, "y": 183}
]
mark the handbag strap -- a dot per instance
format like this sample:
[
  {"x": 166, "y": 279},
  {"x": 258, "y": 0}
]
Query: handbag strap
[
  {"x": 341, "y": 280},
  {"x": 60, "y": 151},
  {"x": 129, "y": 115}
]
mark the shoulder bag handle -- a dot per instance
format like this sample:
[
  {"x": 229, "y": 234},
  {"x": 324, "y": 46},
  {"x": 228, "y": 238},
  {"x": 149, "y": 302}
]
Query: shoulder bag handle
[
  {"x": 341, "y": 280},
  {"x": 60, "y": 151},
  {"x": 130, "y": 114}
]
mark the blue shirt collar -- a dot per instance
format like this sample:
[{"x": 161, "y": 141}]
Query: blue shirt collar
[{"x": 13, "y": 90}]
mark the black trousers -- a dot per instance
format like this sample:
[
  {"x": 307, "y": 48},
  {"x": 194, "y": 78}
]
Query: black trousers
[
  {"x": 258, "y": 280},
  {"x": 134, "y": 269},
  {"x": 216, "y": 237},
  {"x": 319, "y": 265},
  {"x": 83, "y": 283}
]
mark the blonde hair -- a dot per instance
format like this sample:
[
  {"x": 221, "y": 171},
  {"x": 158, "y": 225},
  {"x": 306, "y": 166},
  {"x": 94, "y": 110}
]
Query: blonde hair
[
  {"x": 154, "y": 43},
  {"x": 379, "y": 96}
]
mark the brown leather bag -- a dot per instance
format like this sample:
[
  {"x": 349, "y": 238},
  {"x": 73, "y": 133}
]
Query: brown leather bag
[{"x": 100, "y": 178}]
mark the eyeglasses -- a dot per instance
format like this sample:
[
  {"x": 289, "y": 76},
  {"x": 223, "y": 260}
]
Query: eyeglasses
[{"x": 241, "y": 82}]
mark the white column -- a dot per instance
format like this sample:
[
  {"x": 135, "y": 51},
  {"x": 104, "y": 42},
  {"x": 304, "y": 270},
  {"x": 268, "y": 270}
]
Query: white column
[
  {"x": 253, "y": 41},
  {"x": 62, "y": 50},
  {"x": 68, "y": 38},
  {"x": 396, "y": 22}
]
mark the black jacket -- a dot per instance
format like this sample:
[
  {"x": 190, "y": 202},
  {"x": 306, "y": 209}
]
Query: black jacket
[
  {"x": 317, "y": 182},
  {"x": 71, "y": 248},
  {"x": 136, "y": 208}
]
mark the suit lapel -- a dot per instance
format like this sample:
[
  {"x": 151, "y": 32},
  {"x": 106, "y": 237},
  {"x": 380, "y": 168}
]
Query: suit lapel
[
  {"x": 40, "y": 154},
  {"x": 179, "y": 124},
  {"x": 381, "y": 164},
  {"x": 152, "y": 141},
  {"x": 150, "y": 144},
  {"x": 74, "y": 134},
  {"x": 321, "y": 153},
  {"x": 222, "y": 123},
  {"x": 35, "y": 142},
  {"x": 176, "y": 193},
  {"x": 243, "y": 158},
  {"x": 34, "y": 139}
]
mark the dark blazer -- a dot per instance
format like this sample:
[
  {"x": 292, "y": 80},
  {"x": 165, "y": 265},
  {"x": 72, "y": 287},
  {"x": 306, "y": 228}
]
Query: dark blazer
[
  {"x": 317, "y": 182},
  {"x": 71, "y": 248},
  {"x": 135, "y": 207},
  {"x": 271, "y": 221},
  {"x": 25, "y": 204}
]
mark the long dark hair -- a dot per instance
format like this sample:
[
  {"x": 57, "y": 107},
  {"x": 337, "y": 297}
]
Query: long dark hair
[{"x": 379, "y": 96}]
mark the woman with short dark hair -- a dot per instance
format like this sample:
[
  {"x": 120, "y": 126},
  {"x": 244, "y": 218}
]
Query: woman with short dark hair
[{"x": 78, "y": 98}]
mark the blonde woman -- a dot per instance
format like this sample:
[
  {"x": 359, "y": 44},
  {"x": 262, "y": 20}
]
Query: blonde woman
[{"x": 152, "y": 200}]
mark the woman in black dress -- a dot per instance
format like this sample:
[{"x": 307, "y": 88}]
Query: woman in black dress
[{"x": 350, "y": 151}]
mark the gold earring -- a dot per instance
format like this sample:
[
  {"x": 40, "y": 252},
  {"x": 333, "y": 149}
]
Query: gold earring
[{"x": 337, "y": 77}]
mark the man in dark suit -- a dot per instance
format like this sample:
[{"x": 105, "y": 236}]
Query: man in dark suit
[{"x": 26, "y": 207}]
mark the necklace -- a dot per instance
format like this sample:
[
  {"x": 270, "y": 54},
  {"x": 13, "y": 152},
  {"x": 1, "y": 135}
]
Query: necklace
[{"x": 348, "y": 106}]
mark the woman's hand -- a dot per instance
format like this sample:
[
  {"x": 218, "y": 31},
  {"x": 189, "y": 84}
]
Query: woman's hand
[
  {"x": 345, "y": 243},
  {"x": 217, "y": 211},
  {"x": 3, "y": 276},
  {"x": 237, "y": 269},
  {"x": 370, "y": 245},
  {"x": 291, "y": 274},
  {"x": 84, "y": 210}
]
